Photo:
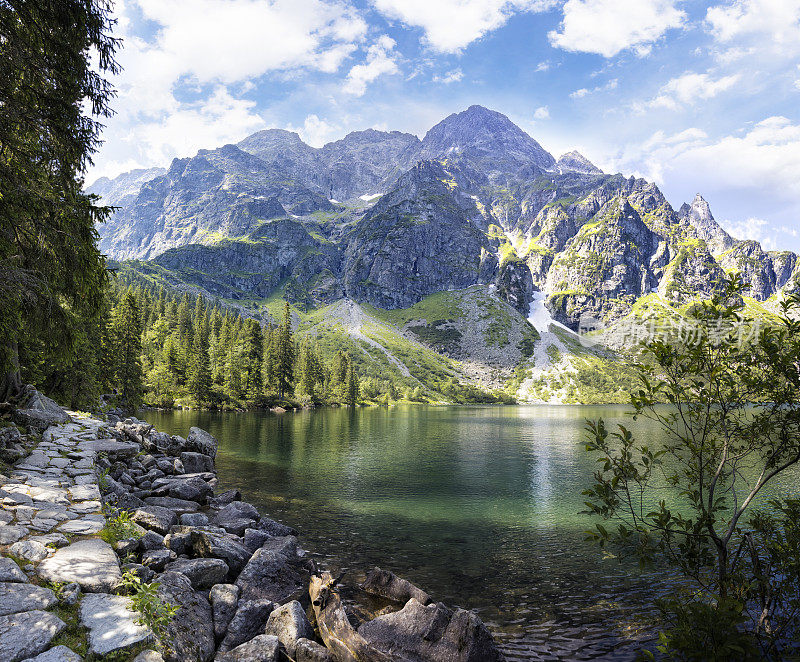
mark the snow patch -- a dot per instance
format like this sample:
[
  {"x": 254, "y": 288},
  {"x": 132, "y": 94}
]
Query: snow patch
[
  {"x": 539, "y": 316},
  {"x": 336, "y": 202},
  {"x": 370, "y": 196}
]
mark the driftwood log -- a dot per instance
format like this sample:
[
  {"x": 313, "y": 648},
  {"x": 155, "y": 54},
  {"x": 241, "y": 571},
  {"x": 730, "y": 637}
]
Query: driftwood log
[{"x": 335, "y": 628}]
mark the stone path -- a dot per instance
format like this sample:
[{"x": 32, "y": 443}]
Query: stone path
[{"x": 50, "y": 517}]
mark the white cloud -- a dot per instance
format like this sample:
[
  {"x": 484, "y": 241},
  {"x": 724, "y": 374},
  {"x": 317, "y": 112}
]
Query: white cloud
[
  {"x": 315, "y": 131},
  {"x": 450, "y": 77},
  {"x": 583, "y": 92},
  {"x": 690, "y": 88},
  {"x": 542, "y": 113},
  {"x": 745, "y": 19},
  {"x": 764, "y": 160},
  {"x": 451, "y": 25},
  {"x": 380, "y": 60},
  {"x": 749, "y": 228},
  {"x": 607, "y": 27},
  {"x": 210, "y": 52},
  {"x": 542, "y": 66}
]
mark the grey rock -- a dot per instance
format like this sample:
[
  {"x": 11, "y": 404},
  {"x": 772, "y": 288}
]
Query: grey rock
[
  {"x": 143, "y": 572},
  {"x": 236, "y": 517},
  {"x": 275, "y": 528},
  {"x": 202, "y": 573},
  {"x": 201, "y": 442},
  {"x": 27, "y": 634},
  {"x": 70, "y": 593},
  {"x": 196, "y": 462},
  {"x": 92, "y": 564},
  {"x": 431, "y": 632},
  {"x": 289, "y": 623},
  {"x": 84, "y": 493},
  {"x": 177, "y": 506},
  {"x": 220, "y": 546},
  {"x": 255, "y": 538},
  {"x": 111, "y": 623},
  {"x": 56, "y": 654},
  {"x": 194, "y": 519},
  {"x": 40, "y": 412},
  {"x": 190, "y": 635},
  {"x": 272, "y": 574},
  {"x": 29, "y": 550},
  {"x": 224, "y": 600},
  {"x": 10, "y": 571},
  {"x": 248, "y": 621},
  {"x": 16, "y": 597},
  {"x": 151, "y": 540},
  {"x": 10, "y": 534},
  {"x": 222, "y": 500},
  {"x": 262, "y": 648},
  {"x": 157, "y": 559},
  {"x": 149, "y": 656},
  {"x": 307, "y": 650},
  {"x": 84, "y": 526},
  {"x": 156, "y": 518}
]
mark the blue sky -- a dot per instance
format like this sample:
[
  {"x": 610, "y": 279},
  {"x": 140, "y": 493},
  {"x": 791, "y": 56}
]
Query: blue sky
[{"x": 696, "y": 96}]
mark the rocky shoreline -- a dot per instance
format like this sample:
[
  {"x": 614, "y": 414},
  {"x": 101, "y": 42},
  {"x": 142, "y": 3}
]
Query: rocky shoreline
[{"x": 103, "y": 505}]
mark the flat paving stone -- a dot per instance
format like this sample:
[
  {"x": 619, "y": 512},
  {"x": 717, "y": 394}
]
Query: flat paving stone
[
  {"x": 85, "y": 507},
  {"x": 112, "y": 625},
  {"x": 27, "y": 634},
  {"x": 85, "y": 492},
  {"x": 29, "y": 550},
  {"x": 16, "y": 597},
  {"x": 10, "y": 571},
  {"x": 111, "y": 446},
  {"x": 56, "y": 654},
  {"x": 90, "y": 563},
  {"x": 82, "y": 527},
  {"x": 11, "y": 533}
]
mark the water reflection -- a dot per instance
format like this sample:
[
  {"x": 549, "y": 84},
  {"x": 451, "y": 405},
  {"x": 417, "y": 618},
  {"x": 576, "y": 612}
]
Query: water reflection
[{"x": 478, "y": 505}]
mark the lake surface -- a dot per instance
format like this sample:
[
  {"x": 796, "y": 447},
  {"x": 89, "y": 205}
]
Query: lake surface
[{"x": 476, "y": 505}]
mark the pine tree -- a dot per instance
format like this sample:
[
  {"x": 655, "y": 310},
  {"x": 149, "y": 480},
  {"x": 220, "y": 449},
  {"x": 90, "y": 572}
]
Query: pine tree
[
  {"x": 352, "y": 384},
  {"x": 284, "y": 355},
  {"x": 254, "y": 358},
  {"x": 127, "y": 339},
  {"x": 199, "y": 381}
]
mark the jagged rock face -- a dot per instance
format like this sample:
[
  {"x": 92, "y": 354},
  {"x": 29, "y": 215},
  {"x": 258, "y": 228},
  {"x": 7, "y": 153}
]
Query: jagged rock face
[
  {"x": 276, "y": 251},
  {"x": 487, "y": 140},
  {"x": 434, "y": 214},
  {"x": 698, "y": 214},
  {"x": 225, "y": 192},
  {"x": 417, "y": 240},
  {"x": 693, "y": 271},
  {"x": 576, "y": 162},
  {"x": 755, "y": 266},
  {"x": 609, "y": 257}
]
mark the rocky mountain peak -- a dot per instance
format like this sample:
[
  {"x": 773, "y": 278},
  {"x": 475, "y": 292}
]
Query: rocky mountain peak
[
  {"x": 576, "y": 162},
  {"x": 699, "y": 216},
  {"x": 486, "y": 135}
]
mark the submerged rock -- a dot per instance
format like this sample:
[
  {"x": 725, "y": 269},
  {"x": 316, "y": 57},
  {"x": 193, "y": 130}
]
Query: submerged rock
[{"x": 385, "y": 583}]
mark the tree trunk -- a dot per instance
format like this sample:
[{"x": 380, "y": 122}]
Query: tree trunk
[
  {"x": 335, "y": 628},
  {"x": 11, "y": 383}
]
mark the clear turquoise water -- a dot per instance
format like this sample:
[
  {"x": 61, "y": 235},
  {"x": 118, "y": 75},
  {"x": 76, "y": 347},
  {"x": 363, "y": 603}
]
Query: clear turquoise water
[{"x": 477, "y": 505}]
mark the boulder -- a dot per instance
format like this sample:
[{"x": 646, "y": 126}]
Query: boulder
[
  {"x": 248, "y": 621},
  {"x": 40, "y": 412},
  {"x": 156, "y": 518},
  {"x": 307, "y": 650},
  {"x": 194, "y": 519},
  {"x": 225, "y": 498},
  {"x": 142, "y": 572},
  {"x": 388, "y": 585},
  {"x": 196, "y": 462},
  {"x": 223, "y": 546},
  {"x": 177, "y": 506},
  {"x": 431, "y": 632},
  {"x": 29, "y": 550},
  {"x": 275, "y": 528},
  {"x": 289, "y": 623},
  {"x": 92, "y": 564},
  {"x": 149, "y": 656},
  {"x": 271, "y": 574},
  {"x": 151, "y": 540},
  {"x": 112, "y": 624},
  {"x": 255, "y": 538},
  {"x": 236, "y": 517},
  {"x": 201, "y": 442},
  {"x": 27, "y": 634},
  {"x": 263, "y": 648},
  {"x": 18, "y": 597},
  {"x": 224, "y": 600},
  {"x": 202, "y": 573},
  {"x": 191, "y": 489},
  {"x": 189, "y": 636},
  {"x": 157, "y": 559}
]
